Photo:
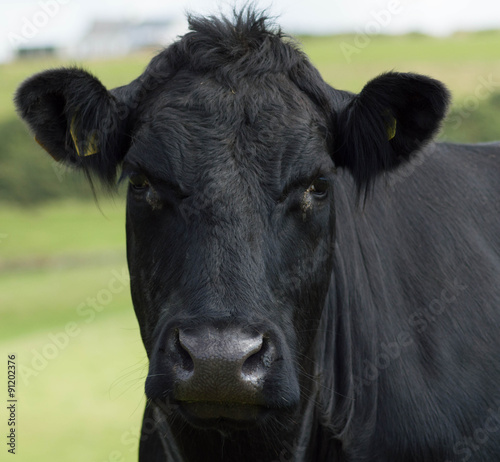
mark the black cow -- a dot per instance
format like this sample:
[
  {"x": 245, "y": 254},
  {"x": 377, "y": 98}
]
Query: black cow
[{"x": 292, "y": 307}]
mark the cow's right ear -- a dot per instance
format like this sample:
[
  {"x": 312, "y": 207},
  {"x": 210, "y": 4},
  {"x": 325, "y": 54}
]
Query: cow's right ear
[
  {"x": 386, "y": 124},
  {"x": 75, "y": 119}
]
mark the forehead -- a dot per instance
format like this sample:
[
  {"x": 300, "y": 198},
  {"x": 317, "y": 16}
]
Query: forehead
[{"x": 195, "y": 123}]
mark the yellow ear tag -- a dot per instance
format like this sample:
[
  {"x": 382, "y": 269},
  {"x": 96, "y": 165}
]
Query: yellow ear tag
[
  {"x": 391, "y": 129},
  {"x": 91, "y": 144}
]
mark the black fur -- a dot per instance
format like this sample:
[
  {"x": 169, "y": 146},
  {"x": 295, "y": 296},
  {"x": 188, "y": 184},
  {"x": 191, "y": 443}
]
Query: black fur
[
  {"x": 52, "y": 101},
  {"x": 416, "y": 103},
  {"x": 385, "y": 320}
]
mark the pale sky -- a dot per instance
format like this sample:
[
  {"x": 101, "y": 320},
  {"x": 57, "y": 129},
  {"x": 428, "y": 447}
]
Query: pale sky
[{"x": 39, "y": 22}]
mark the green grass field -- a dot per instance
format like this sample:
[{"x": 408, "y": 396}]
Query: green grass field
[
  {"x": 64, "y": 297},
  {"x": 66, "y": 313},
  {"x": 459, "y": 61}
]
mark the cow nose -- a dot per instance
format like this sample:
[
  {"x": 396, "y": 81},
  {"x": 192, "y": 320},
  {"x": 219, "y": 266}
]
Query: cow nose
[{"x": 226, "y": 365}]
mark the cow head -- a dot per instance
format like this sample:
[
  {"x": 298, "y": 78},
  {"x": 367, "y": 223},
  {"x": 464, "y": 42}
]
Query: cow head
[{"x": 231, "y": 141}]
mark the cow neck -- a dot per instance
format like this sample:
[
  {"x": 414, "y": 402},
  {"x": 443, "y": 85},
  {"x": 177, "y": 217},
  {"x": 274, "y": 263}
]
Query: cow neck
[{"x": 349, "y": 326}]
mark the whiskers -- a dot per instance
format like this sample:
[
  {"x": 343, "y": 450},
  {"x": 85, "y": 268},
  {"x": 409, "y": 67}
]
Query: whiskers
[
  {"x": 131, "y": 380},
  {"x": 316, "y": 379}
]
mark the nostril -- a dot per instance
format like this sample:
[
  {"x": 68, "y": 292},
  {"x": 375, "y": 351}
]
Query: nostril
[
  {"x": 258, "y": 362},
  {"x": 186, "y": 361}
]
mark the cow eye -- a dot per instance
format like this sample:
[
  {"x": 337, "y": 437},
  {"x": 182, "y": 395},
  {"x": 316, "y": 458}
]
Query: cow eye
[
  {"x": 319, "y": 188},
  {"x": 138, "y": 181}
]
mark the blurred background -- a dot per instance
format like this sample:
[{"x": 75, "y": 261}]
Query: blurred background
[{"x": 64, "y": 296}]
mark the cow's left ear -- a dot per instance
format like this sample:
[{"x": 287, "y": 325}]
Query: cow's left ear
[
  {"x": 75, "y": 119},
  {"x": 392, "y": 118}
]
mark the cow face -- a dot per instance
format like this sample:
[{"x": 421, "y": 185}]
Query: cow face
[
  {"x": 229, "y": 242},
  {"x": 230, "y": 141}
]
